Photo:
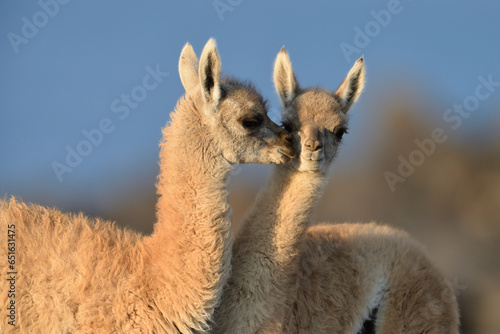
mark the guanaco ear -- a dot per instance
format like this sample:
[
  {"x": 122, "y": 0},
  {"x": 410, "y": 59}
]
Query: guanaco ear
[
  {"x": 353, "y": 84},
  {"x": 209, "y": 72},
  {"x": 188, "y": 67},
  {"x": 285, "y": 82}
]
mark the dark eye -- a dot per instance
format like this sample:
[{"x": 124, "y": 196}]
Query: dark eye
[
  {"x": 287, "y": 127},
  {"x": 251, "y": 123},
  {"x": 339, "y": 133}
]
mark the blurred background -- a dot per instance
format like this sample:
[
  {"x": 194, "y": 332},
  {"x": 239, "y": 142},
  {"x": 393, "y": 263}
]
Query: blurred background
[{"x": 86, "y": 87}]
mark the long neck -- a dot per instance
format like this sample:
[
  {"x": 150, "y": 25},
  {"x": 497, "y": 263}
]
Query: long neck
[
  {"x": 266, "y": 249},
  {"x": 281, "y": 213},
  {"x": 190, "y": 248}
]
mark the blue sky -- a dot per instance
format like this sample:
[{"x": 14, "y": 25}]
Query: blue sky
[{"x": 65, "y": 64}]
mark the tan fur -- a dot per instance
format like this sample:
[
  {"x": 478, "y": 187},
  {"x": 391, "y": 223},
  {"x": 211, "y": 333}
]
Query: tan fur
[
  {"x": 80, "y": 275},
  {"x": 347, "y": 270},
  {"x": 325, "y": 280}
]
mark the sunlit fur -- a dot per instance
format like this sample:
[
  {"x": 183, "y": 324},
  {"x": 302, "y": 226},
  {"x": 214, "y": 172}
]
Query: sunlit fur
[
  {"x": 81, "y": 275},
  {"x": 266, "y": 249},
  {"x": 347, "y": 271},
  {"x": 289, "y": 277}
]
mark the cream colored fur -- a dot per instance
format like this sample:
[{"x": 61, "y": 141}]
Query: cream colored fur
[
  {"x": 266, "y": 249},
  {"x": 82, "y": 275},
  {"x": 328, "y": 279},
  {"x": 348, "y": 270}
]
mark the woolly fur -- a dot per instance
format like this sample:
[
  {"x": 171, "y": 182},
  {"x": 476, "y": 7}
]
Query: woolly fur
[
  {"x": 289, "y": 277},
  {"x": 81, "y": 275}
]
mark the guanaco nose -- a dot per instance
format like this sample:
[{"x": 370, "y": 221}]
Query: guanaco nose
[
  {"x": 313, "y": 144},
  {"x": 311, "y": 135},
  {"x": 286, "y": 137}
]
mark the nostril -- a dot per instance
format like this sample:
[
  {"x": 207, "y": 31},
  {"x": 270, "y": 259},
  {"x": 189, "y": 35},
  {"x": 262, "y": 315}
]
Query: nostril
[
  {"x": 313, "y": 145},
  {"x": 310, "y": 145},
  {"x": 287, "y": 137}
]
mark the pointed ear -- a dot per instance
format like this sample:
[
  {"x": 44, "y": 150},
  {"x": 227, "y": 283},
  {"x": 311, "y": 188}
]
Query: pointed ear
[
  {"x": 209, "y": 72},
  {"x": 188, "y": 67},
  {"x": 353, "y": 84},
  {"x": 285, "y": 82}
]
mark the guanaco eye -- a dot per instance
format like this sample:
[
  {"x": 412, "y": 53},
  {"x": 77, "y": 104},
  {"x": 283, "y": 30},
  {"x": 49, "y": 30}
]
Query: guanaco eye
[
  {"x": 251, "y": 123},
  {"x": 287, "y": 127},
  {"x": 339, "y": 133}
]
